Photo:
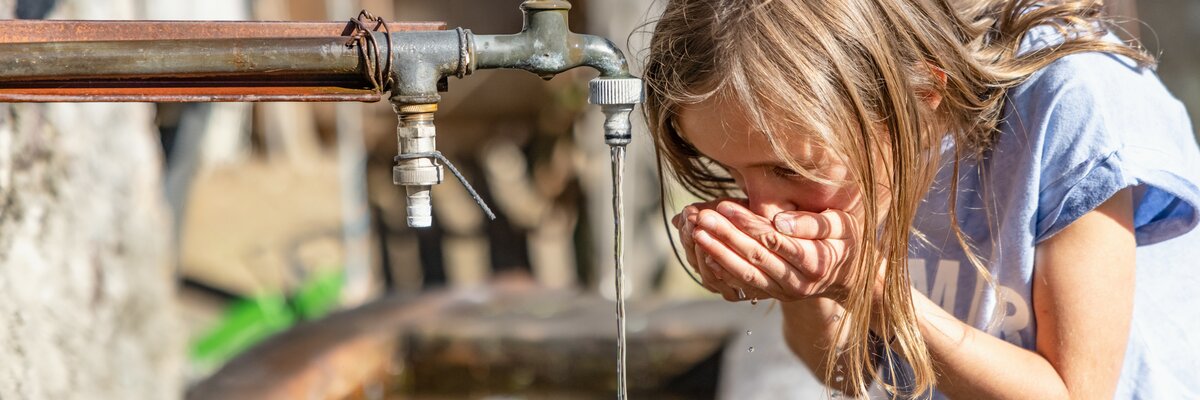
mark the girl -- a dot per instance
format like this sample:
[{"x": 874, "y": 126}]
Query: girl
[{"x": 946, "y": 199}]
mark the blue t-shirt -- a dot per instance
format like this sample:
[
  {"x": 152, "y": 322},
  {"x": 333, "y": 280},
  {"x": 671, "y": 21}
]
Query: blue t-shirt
[{"x": 1074, "y": 134}]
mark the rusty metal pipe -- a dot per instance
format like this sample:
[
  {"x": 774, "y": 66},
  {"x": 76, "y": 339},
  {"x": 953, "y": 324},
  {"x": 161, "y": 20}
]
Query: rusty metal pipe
[
  {"x": 211, "y": 59},
  {"x": 42, "y": 31},
  {"x": 185, "y": 61}
]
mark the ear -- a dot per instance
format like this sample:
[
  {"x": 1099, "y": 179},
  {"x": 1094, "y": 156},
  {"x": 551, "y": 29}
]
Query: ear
[{"x": 933, "y": 98}]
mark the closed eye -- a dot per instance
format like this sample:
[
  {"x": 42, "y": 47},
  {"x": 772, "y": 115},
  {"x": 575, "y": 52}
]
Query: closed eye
[{"x": 784, "y": 172}]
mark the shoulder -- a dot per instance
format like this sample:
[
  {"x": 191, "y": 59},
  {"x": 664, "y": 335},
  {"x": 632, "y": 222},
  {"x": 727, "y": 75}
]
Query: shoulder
[
  {"x": 1093, "y": 81},
  {"x": 1095, "y": 123}
]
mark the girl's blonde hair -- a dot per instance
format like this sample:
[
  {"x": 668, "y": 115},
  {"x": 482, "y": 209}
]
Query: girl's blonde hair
[{"x": 852, "y": 75}]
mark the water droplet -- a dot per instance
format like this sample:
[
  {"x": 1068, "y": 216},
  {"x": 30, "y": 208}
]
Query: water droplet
[
  {"x": 839, "y": 379},
  {"x": 754, "y": 301},
  {"x": 741, "y": 294},
  {"x": 836, "y": 317},
  {"x": 748, "y": 333},
  {"x": 750, "y": 350}
]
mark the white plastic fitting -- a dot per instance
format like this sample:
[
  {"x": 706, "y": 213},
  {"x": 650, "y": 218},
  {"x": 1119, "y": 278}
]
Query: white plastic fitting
[{"x": 616, "y": 98}]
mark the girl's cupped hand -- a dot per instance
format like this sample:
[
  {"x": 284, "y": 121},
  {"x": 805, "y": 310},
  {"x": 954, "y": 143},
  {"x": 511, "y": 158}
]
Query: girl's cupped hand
[{"x": 791, "y": 256}]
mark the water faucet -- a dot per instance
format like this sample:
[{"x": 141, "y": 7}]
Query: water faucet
[{"x": 545, "y": 46}]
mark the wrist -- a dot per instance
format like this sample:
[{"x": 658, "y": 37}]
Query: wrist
[{"x": 816, "y": 312}]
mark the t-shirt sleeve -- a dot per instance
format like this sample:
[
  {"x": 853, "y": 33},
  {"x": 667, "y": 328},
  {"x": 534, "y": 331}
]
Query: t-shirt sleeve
[{"x": 1105, "y": 125}]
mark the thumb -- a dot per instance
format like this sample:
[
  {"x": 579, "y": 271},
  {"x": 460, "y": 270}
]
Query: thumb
[{"x": 830, "y": 224}]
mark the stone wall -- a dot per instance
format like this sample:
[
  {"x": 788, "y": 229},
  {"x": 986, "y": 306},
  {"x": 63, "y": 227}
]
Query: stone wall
[{"x": 85, "y": 279}]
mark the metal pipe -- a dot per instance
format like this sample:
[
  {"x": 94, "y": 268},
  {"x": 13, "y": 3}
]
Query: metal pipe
[
  {"x": 420, "y": 60},
  {"x": 42, "y": 31},
  {"x": 547, "y": 47},
  {"x": 185, "y": 61},
  {"x": 206, "y": 60}
]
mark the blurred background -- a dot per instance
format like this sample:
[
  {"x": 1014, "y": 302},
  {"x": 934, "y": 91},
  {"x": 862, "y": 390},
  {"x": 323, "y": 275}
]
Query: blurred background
[{"x": 236, "y": 250}]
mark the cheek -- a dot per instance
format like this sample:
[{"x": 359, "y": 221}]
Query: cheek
[
  {"x": 817, "y": 198},
  {"x": 803, "y": 196}
]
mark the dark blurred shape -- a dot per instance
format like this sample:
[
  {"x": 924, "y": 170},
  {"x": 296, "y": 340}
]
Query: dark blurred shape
[
  {"x": 34, "y": 9},
  {"x": 1171, "y": 31}
]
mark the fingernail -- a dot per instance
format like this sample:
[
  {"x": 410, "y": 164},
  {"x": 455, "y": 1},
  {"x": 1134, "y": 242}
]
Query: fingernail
[
  {"x": 708, "y": 221},
  {"x": 783, "y": 224},
  {"x": 726, "y": 210},
  {"x": 702, "y": 236}
]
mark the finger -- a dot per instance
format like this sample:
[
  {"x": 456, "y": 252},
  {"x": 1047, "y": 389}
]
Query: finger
[
  {"x": 826, "y": 257},
  {"x": 745, "y": 293},
  {"x": 830, "y": 224},
  {"x": 685, "y": 240},
  {"x": 689, "y": 252},
  {"x": 742, "y": 290},
  {"x": 727, "y": 291},
  {"x": 797, "y": 253},
  {"x": 741, "y": 243},
  {"x": 708, "y": 271},
  {"x": 714, "y": 270},
  {"x": 690, "y": 222},
  {"x": 739, "y": 271},
  {"x": 779, "y": 256}
]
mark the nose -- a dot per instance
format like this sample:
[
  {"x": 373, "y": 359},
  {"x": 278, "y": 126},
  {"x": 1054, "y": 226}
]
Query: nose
[{"x": 767, "y": 199}]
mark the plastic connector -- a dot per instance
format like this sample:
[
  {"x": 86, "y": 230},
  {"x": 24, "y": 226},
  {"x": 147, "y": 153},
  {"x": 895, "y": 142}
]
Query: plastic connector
[
  {"x": 616, "y": 98},
  {"x": 615, "y": 91}
]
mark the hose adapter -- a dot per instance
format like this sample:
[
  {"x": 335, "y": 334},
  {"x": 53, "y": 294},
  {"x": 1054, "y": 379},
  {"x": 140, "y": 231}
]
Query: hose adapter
[{"x": 616, "y": 98}]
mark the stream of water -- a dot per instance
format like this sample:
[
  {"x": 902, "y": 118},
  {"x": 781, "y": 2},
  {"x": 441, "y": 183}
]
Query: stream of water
[{"x": 618, "y": 172}]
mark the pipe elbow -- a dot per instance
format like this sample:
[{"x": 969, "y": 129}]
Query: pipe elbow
[{"x": 604, "y": 56}]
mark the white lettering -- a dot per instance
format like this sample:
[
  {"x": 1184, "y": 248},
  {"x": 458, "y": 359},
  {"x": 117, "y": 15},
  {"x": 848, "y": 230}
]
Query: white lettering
[
  {"x": 945, "y": 285},
  {"x": 916, "y": 275},
  {"x": 1016, "y": 315},
  {"x": 973, "y": 313},
  {"x": 1007, "y": 320}
]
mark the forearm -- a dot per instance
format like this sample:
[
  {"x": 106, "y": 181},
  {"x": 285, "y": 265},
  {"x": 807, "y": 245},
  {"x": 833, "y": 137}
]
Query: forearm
[
  {"x": 971, "y": 364},
  {"x": 810, "y": 329},
  {"x": 974, "y": 365},
  {"x": 1083, "y": 302}
]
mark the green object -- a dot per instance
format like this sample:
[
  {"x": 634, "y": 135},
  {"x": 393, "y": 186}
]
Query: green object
[
  {"x": 319, "y": 295},
  {"x": 245, "y": 323},
  {"x": 248, "y": 321}
]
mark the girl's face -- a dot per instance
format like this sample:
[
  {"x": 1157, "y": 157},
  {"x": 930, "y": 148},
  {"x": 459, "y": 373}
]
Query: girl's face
[{"x": 723, "y": 133}]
